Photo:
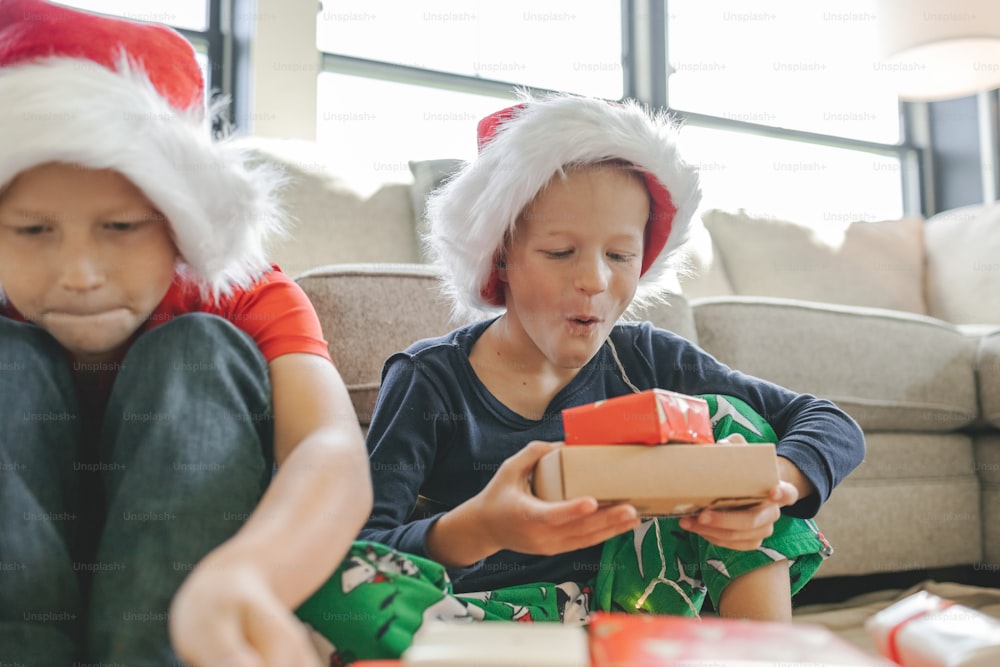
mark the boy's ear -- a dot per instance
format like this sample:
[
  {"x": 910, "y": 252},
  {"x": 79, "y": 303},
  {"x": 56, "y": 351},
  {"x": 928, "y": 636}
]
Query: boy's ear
[{"x": 501, "y": 269}]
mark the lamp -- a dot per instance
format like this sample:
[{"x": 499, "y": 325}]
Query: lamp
[{"x": 940, "y": 49}]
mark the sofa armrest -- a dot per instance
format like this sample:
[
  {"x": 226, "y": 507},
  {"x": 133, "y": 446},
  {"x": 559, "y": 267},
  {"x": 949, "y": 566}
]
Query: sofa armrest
[{"x": 370, "y": 311}]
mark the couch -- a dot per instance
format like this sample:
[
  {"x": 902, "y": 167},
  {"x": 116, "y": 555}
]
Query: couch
[{"x": 898, "y": 322}]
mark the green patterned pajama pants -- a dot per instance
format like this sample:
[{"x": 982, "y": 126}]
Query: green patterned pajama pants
[{"x": 378, "y": 598}]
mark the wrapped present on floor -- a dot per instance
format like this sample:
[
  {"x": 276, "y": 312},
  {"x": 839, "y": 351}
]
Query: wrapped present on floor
[
  {"x": 635, "y": 640},
  {"x": 924, "y": 630},
  {"x": 498, "y": 644},
  {"x": 651, "y": 417}
]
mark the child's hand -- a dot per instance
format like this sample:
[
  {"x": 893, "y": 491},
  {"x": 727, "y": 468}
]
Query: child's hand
[
  {"x": 228, "y": 616},
  {"x": 507, "y": 515},
  {"x": 746, "y": 529},
  {"x": 742, "y": 529},
  {"x": 514, "y": 518}
]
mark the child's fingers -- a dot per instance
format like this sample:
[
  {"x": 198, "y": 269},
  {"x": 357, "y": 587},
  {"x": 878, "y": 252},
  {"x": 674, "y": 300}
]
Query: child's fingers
[
  {"x": 784, "y": 494},
  {"x": 222, "y": 646},
  {"x": 602, "y": 526},
  {"x": 559, "y": 513},
  {"x": 741, "y": 530},
  {"x": 282, "y": 640}
]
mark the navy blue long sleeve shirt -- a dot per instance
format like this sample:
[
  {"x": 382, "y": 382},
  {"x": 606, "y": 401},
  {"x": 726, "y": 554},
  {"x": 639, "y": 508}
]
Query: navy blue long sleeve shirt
[{"x": 437, "y": 432}]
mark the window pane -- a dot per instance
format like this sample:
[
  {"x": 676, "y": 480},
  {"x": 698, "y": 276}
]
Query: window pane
[
  {"x": 802, "y": 65},
  {"x": 189, "y": 14},
  {"x": 372, "y": 128},
  {"x": 791, "y": 180},
  {"x": 558, "y": 44}
]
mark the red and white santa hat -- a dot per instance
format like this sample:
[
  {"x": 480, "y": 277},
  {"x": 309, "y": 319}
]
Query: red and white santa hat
[
  {"x": 108, "y": 93},
  {"x": 520, "y": 149}
]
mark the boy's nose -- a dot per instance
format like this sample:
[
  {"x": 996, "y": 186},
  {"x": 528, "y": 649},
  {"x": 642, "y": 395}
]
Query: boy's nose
[
  {"x": 81, "y": 271},
  {"x": 592, "y": 276}
]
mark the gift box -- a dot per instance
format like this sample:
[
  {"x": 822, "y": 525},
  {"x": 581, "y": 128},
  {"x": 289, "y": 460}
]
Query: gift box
[
  {"x": 924, "y": 630},
  {"x": 498, "y": 644},
  {"x": 651, "y": 417},
  {"x": 660, "y": 481},
  {"x": 636, "y": 640}
]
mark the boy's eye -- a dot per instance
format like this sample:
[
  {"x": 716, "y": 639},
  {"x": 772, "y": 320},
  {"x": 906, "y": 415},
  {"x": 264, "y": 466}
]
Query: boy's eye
[
  {"x": 32, "y": 230},
  {"x": 620, "y": 256},
  {"x": 121, "y": 226},
  {"x": 557, "y": 254}
]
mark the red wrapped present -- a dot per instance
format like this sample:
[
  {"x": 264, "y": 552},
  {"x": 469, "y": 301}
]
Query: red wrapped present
[
  {"x": 924, "y": 630},
  {"x": 651, "y": 417},
  {"x": 635, "y": 640}
]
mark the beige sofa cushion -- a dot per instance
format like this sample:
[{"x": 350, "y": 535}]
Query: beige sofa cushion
[
  {"x": 889, "y": 370},
  {"x": 704, "y": 274},
  {"x": 926, "y": 492},
  {"x": 333, "y": 220},
  {"x": 988, "y": 376},
  {"x": 427, "y": 176},
  {"x": 874, "y": 264},
  {"x": 963, "y": 265},
  {"x": 988, "y": 469}
]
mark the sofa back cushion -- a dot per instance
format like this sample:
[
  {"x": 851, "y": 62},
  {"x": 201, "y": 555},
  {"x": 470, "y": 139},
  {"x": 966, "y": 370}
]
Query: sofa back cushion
[
  {"x": 331, "y": 219},
  {"x": 963, "y": 265},
  {"x": 890, "y": 371},
  {"x": 873, "y": 264}
]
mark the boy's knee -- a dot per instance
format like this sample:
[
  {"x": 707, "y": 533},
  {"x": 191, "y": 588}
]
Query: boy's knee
[
  {"x": 23, "y": 344},
  {"x": 195, "y": 341}
]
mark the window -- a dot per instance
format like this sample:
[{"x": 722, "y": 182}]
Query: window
[
  {"x": 793, "y": 180},
  {"x": 831, "y": 146},
  {"x": 188, "y": 14},
  {"x": 407, "y": 80},
  {"x": 774, "y": 132},
  {"x": 799, "y": 65},
  {"x": 558, "y": 44},
  {"x": 374, "y": 128}
]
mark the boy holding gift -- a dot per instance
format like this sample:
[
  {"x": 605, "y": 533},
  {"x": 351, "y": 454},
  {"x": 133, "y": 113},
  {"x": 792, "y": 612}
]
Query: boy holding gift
[
  {"x": 571, "y": 213},
  {"x": 155, "y": 367}
]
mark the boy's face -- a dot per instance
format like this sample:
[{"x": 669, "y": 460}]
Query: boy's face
[
  {"x": 84, "y": 254},
  {"x": 573, "y": 264}
]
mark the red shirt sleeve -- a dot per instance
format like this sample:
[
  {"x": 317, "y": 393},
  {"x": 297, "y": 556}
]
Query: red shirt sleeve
[{"x": 275, "y": 312}]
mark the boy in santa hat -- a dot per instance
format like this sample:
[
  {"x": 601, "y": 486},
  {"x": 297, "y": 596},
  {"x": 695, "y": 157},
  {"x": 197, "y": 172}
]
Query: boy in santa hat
[
  {"x": 571, "y": 214},
  {"x": 153, "y": 369}
]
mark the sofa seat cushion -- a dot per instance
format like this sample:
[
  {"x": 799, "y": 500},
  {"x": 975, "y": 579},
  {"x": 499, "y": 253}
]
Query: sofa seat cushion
[
  {"x": 913, "y": 504},
  {"x": 877, "y": 264},
  {"x": 988, "y": 375},
  {"x": 888, "y": 370},
  {"x": 988, "y": 468}
]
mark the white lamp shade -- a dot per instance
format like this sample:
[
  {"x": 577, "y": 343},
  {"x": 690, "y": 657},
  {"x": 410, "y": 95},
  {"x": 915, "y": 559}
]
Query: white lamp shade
[{"x": 939, "y": 49}]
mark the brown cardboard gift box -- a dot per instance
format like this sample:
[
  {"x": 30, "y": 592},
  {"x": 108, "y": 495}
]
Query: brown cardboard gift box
[{"x": 665, "y": 480}]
